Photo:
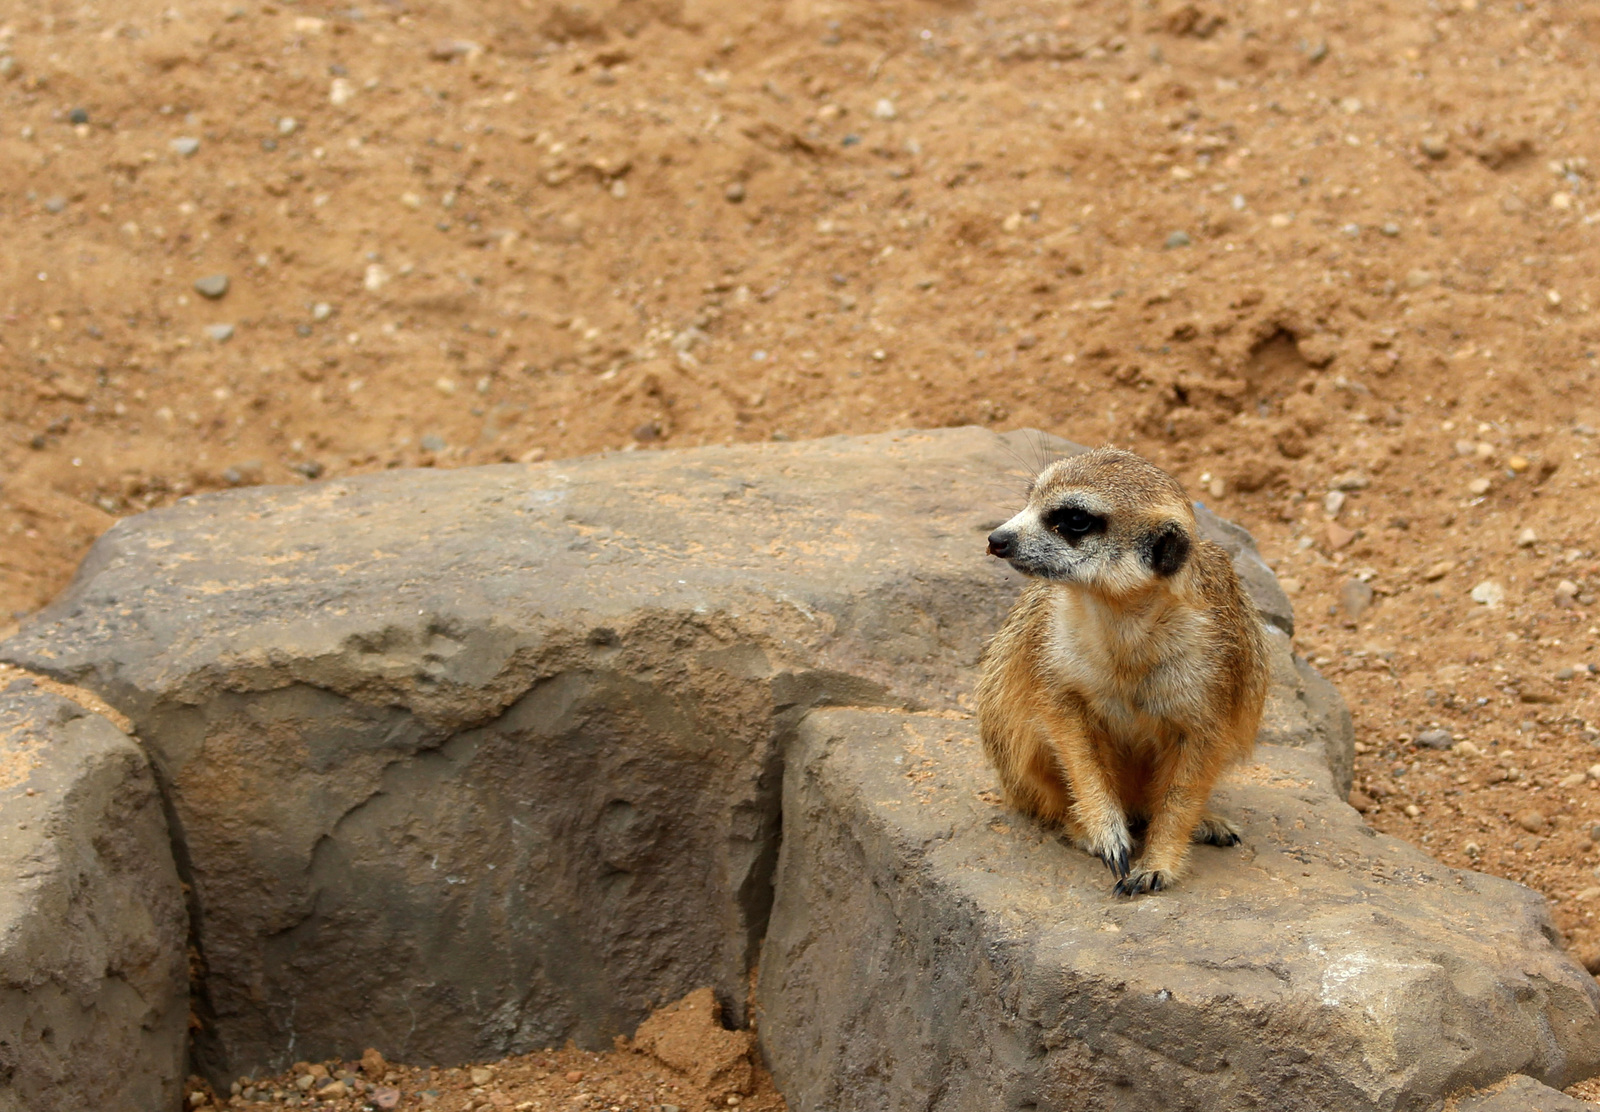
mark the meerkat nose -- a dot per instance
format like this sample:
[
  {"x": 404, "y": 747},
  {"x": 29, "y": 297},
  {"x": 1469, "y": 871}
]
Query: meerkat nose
[{"x": 1001, "y": 543}]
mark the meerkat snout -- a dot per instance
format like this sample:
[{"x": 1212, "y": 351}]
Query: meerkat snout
[{"x": 1130, "y": 672}]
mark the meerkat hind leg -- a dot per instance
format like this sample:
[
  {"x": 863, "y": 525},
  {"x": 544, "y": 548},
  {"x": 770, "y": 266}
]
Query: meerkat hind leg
[{"x": 1214, "y": 830}]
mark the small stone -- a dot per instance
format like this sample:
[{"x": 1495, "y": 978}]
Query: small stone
[
  {"x": 1489, "y": 593},
  {"x": 1351, "y": 480},
  {"x": 1593, "y": 773},
  {"x": 447, "y": 50},
  {"x": 185, "y": 145},
  {"x": 8, "y": 66},
  {"x": 55, "y": 205},
  {"x": 372, "y": 1063},
  {"x": 1527, "y": 538},
  {"x": 1560, "y": 201},
  {"x": 446, "y": 386},
  {"x": 1472, "y": 850},
  {"x": 287, "y": 125},
  {"x": 304, "y": 1082},
  {"x": 1356, "y": 599},
  {"x": 212, "y": 286},
  {"x": 1338, "y": 536},
  {"x": 1572, "y": 781},
  {"x": 1519, "y": 464},
  {"x": 78, "y": 116},
  {"x": 321, "y": 311},
  {"x": 884, "y": 109},
  {"x": 574, "y": 1076},
  {"x": 1436, "y": 739},
  {"x": 734, "y": 192},
  {"x": 1361, "y": 801},
  {"x": 1390, "y": 229},
  {"x": 432, "y": 443},
  {"x": 1178, "y": 239},
  {"x": 1466, "y": 749},
  {"x": 647, "y": 432},
  {"x": 375, "y": 277},
  {"x": 1420, "y": 279},
  {"x": 310, "y": 468},
  {"x": 334, "y": 1091},
  {"x": 1564, "y": 673},
  {"x": 220, "y": 333},
  {"x": 1413, "y": 811},
  {"x": 481, "y": 1076},
  {"x": 385, "y": 1097},
  {"x": 1217, "y": 487},
  {"x": 341, "y": 92},
  {"x": 1333, "y": 502},
  {"x": 1434, "y": 146},
  {"x": 1532, "y": 821},
  {"x": 1439, "y": 570},
  {"x": 1479, "y": 487},
  {"x": 1566, "y": 594}
]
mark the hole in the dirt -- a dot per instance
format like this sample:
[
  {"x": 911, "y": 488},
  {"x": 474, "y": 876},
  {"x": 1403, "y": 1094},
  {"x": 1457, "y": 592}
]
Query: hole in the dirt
[{"x": 1275, "y": 366}]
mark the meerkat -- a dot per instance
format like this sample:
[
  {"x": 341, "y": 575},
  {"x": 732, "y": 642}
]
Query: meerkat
[{"x": 1129, "y": 674}]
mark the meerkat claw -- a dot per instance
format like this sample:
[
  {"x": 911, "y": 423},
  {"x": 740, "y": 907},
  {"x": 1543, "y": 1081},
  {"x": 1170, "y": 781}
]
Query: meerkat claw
[
  {"x": 1113, "y": 851},
  {"x": 1142, "y": 880},
  {"x": 1214, "y": 831}
]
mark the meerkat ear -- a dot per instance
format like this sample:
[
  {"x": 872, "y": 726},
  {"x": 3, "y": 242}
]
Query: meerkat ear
[{"x": 1166, "y": 548}]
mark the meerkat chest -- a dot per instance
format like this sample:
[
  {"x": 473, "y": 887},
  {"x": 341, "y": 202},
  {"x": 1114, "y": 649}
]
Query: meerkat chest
[{"x": 1141, "y": 674}]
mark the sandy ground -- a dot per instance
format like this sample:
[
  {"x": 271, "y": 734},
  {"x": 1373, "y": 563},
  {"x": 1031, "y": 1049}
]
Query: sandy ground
[{"x": 1332, "y": 264}]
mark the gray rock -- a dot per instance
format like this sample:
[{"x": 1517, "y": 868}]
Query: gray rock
[
  {"x": 498, "y": 750},
  {"x": 931, "y": 949},
  {"x": 1436, "y": 739},
  {"x": 1523, "y": 1094},
  {"x": 185, "y": 145},
  {"x": 1356, "y": 598},
  {"x": 220, "y": 333},
  {"x": 94, "y": 994},
  {"x": 212, "y": 286}
]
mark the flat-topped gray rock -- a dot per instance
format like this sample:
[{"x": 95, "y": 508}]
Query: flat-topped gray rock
[
  {"x": 497, "y": 751},
  {"x": 1522, "y": 1094},
  {"x": 930, "y": 949},
  {"x": 94, "y": 990}
]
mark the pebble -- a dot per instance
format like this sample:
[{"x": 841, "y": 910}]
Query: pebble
[
  {"x": 1489, "y": 593},
  {"x": 1178, "y": 239},
  {"x": 1572, "y": 781},
  {"x": 8, "y": 66},
  {"x": 446, "y": 50},
  {"x": 481, "y": 1076},
  {"x": 1361, "y": 801},
  {"x": 1413, "y": 810},
  {"x": 1434, "y": 146},
  {"x": 385, "y": 1097},
  {"x": 287, "y": 125},
  {"x": 321, "y": 311},
  {"x": 55, "y": 204},
  {"x": 1519, "y": 464},
  {"x": 1479, "y": 487},
  {"x": 1351, "y": 480},
  {"x": 212, "y": 286},
  {"x": 341, "y": 92},
  {"x": 1527, "y": 538},
  {"x": 1472, "y": 850},
  {"x": 1593, "y": 773},
  {"x": 185, "y": 145},
  {"x": 734, "y": 192},
  {"x": 1530, "y": 820},
  {"x": 1333, "y": 502},
  {"x": 1439, "y": 570},
  {"x": 1436, "y": 739},
  {"x": 574, "y": 1076},
  {"x": 1566, "y": 593},
  {"x": 1420, "y": 279},
  {"x": 78, "y": 116},
  {"x": 375, "y": 277},
  {"x": 432, "y": 443},
  {"x": 884, "y": 109},
  {"x": 1356, "y": 599},
  {"x": 220, "y": 333},
  {"x": 1391, "y": 230},
  {"x": 1338, "y": 536},
  {"x": 1564, "y": 673},
  {"x": 1466, "y": 749}
]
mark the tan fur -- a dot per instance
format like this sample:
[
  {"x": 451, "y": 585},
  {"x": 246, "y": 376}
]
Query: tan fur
[{"x": 1120, "y": 687}]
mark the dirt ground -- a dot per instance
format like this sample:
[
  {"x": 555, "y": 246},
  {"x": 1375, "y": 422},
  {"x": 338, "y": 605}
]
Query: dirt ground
[{"x": 1333, "y": 264}]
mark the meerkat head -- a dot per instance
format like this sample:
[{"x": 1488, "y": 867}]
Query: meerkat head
[{"x": 1106, "y": 520}]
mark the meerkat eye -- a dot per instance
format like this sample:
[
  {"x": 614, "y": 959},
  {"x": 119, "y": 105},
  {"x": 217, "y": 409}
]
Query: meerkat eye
[{"x": 1074, "y": 523}]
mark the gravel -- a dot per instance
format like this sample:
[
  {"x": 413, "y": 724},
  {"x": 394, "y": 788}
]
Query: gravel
[
  {"x": 212, "y": 286},
  {"x": 185, "y": 145}
]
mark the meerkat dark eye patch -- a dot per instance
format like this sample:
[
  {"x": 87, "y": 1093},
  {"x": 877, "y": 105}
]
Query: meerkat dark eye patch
[
  {"x": 1074, "y": 523},
  {"x": 1166, "y": 548}
]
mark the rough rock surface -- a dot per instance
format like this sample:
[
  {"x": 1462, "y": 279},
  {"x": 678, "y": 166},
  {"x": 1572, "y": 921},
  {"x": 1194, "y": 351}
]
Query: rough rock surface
[
  {"x": 1523, "y": 1094},
  {"x": 94, "y": 986},
  {"x": 930, "y": 949},
  {"x": 497, "y": 751}
]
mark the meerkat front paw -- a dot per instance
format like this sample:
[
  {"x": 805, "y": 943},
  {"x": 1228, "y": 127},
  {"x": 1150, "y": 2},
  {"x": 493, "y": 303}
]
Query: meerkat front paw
[
  {"x": 1112, "y": 846},
  {"x": 1143, "y": 880},
  {"x": 1216, "y": 831}
]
